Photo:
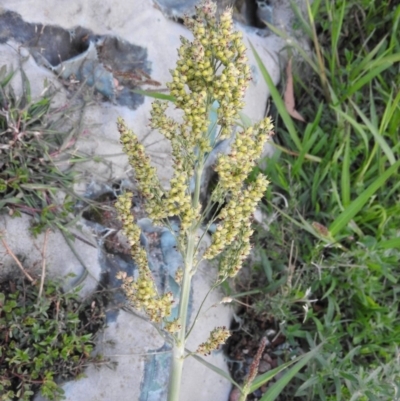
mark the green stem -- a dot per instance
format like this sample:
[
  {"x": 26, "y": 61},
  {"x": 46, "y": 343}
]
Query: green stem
[{"x": 178, "y": 351}]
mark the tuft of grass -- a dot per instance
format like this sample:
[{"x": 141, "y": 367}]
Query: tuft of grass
[{"x": 37, "y": 148}]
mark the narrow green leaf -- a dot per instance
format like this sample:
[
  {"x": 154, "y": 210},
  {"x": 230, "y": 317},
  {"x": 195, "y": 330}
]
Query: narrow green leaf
[
  {"x": 38, "y": 187},
  {"x": 344, "y": 218},
  {"x": 394, "y": 39},
  {"x": 335, "y": 36},
  {"x": 26, "y": 87},
  {"x": 390, "y": 243},
  {"x": 280, "y": 105},
  {"x": 312, "y": 381},
  {"x": 311, "y": 135},
  {"x": 392, "y": 106},
  {"x": 7, "y": 78},
  {"x": 356, "y": 86},
  {"x": 294, "y": 44},
  {"x": 305, "y": 26},
  {"x": 217, "y": 370},
  {"x": 377, "y": 135},
  {"x": 155, "y": 95},
  {"x": 365, "y": 59},
  {"x": 274, "y": 391},
  {"x": 374, "y": 131},
  {"x": 345, "y": 176},
  {"x": 266, "y": 377},
  {"x": 12, "y": 200}
]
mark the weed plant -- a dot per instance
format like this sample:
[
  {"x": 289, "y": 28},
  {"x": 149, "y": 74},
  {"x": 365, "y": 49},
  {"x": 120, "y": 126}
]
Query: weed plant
[
  {"x": 43, "y": 338},
  {"x": 207, "y": 85},
  {"x": 37, "y": 144},
  {"x": 335, "y": 189}
]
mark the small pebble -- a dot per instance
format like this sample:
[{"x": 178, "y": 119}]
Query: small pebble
[
  {"x": 264, "y": 367},
  {"x": 267, "y": 358},
  {"x": 235, "y": 395}
]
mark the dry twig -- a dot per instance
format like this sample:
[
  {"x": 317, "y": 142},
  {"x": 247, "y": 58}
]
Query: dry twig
[{"x": 10, "y": 252}]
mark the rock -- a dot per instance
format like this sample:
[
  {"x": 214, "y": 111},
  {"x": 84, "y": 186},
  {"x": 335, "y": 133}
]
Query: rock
[{"x": 264, "y": 367}]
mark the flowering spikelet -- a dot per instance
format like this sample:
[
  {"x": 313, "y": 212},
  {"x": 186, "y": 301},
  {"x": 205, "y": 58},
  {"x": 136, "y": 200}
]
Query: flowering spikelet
[
  {"x": 173, "y": 327},
  {"x": 217, "y": 337},
  {"x": 234, "y": 168},
  {"x": 145, "y": 174},
  {"x": 197, "y": 84},
  {"x": 211, "y": 75},
  {"x": 143, "y": 292},
  {"x": 236, "y": 217}
]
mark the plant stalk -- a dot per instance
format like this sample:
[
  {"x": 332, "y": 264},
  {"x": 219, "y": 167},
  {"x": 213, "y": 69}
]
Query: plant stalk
[{"x": 178, "y": 351}]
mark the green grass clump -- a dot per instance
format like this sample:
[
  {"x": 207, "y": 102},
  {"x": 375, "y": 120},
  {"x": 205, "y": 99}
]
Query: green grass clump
[
  {"x": 37, "y": 143},
  {"x": 336, "y": 194},
  {"x": 42, "y": 339}
]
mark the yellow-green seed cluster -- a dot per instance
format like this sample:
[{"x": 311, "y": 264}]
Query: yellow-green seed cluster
[
  {"x": 145, "y": 174},
  {"x": 234, "y": 167},
  {"x": 178, "y": 200},
  {"x": 236, "y": 217},
  {"x": 217, "y": 337},
  {"x": 235, "y": 254},
  {"x": 173, "y": 326},
  {"x": 143, "y": 292},
  {"x": 211, "y": 68},
  {"x": 232, "y": 236}
]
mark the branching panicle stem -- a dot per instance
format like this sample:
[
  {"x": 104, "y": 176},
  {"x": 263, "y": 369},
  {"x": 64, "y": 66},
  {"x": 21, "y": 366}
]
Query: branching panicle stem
[{"x": 211, "y": 70}]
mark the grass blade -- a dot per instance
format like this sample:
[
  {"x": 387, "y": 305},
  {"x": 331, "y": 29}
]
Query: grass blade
[
  {"x": 357, "y": 71},
  {"x": 336, "y": 33},
  {"x": 155, "y": 95},
  {"x": 345, "y": 178},
  {"x": 278, "y": 100},
  {"x": 376, "y": 134},
  {"x": 344, "y": 218},
  {"x": 217, "y": 370},
  {"x": 356, "y": 86},
  {"x": 277, "y": 387},
  {"x": 390, "y": 243}
]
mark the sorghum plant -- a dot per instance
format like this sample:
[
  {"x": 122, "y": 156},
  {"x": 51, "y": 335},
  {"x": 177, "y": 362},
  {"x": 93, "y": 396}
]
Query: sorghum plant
[{"x": 211, "y": 70}]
